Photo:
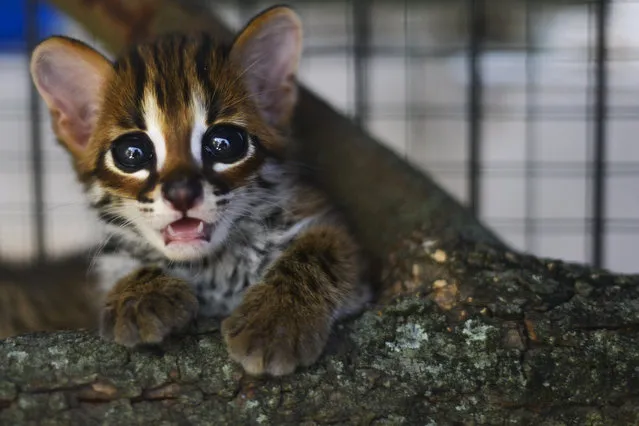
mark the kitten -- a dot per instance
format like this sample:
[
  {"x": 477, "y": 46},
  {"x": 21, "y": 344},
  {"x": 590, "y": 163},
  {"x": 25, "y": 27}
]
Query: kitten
[{"x": 181, "y": 147}]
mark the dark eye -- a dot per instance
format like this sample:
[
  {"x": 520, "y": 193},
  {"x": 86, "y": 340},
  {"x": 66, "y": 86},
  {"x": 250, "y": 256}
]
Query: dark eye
[
  {"x": 224, "y": 144},
  {"x": 132, "y": 152}
]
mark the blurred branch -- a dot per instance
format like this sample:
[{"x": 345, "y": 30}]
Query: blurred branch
[{"x": 117, "y": 23}]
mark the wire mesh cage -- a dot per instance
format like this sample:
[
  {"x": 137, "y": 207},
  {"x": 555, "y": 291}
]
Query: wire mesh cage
[{"x": 525, "y": 110}]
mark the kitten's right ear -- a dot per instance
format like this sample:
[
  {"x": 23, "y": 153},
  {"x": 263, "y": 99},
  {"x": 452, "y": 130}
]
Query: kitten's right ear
[{"x": 70, "y": 77}]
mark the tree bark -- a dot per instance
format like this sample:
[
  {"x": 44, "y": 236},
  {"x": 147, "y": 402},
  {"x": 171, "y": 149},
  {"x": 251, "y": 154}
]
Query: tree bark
[
  {"x": 465, "y": 330},
  {"x": 478, "y": 335}
]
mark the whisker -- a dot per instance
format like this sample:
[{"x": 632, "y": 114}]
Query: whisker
[{"x": 96, "y": 254}]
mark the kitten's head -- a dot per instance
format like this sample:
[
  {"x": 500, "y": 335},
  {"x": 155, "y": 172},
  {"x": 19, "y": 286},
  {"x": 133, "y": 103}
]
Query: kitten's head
[{"x": 174, "y": 140}]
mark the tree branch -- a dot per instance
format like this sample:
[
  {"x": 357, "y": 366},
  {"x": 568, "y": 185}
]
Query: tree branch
[{"x": 485, "y": 337}]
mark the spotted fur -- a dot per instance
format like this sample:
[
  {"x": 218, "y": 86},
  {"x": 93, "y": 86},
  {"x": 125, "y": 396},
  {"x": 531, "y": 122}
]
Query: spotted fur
[{"x": 279, "y": 264}]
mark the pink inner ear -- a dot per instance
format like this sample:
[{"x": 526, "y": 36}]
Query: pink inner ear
[
  {"x": 79, "y": 131},
  {"x": 70, "y": 87},
  {"x": 284, "y": 62},
  {"x": 271, "y": 59}
]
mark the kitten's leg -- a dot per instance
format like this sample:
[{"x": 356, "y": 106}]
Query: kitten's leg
[
  {"x": 146, "y": 306},
  {"x": 285, "y": 321}
]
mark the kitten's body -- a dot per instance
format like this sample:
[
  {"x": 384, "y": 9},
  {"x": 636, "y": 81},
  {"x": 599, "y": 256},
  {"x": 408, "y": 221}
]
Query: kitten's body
[
  {"x": 255, "y": 241},
  {"x": 181, "y": 145}
]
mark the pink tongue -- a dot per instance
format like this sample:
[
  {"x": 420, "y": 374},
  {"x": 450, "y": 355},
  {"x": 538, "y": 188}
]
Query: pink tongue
[{"x": 185, "y": 229}]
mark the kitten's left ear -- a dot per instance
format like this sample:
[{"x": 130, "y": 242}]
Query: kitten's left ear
[
  {"x": 268, "y": 51},
  {"x": 70, "y": 77}
]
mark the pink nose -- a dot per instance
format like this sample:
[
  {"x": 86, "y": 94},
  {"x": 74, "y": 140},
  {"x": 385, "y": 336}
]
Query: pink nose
[{"x": 183, "y": 193}]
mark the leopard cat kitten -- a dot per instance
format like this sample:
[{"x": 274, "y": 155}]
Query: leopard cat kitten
[{"x": 181, "y": 147}]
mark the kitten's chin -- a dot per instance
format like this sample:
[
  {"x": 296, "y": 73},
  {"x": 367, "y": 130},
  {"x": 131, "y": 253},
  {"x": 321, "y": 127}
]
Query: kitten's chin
[{"x": 183, "y": 251}]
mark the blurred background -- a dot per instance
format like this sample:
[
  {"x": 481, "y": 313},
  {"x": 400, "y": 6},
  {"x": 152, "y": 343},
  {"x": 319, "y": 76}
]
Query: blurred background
[{"x": 527, "y": 111}]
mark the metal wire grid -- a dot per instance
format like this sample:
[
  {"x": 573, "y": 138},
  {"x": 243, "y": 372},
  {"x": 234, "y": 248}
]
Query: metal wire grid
[{"x": 359, "y": 35}]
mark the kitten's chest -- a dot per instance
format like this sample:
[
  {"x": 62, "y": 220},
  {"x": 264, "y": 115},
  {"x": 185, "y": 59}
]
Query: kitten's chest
[{"x": 220, "y": 282}]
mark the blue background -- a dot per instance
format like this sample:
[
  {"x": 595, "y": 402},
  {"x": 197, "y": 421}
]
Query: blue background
[{"x": 13, "y": 23}]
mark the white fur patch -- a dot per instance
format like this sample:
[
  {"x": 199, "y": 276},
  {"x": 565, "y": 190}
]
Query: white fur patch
[
  {"x": 221, "y": 167},
  {"x": 199, "y": 127},
  {"x": 153, "y": 120}
]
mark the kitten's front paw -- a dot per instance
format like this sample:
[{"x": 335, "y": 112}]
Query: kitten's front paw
[
  {"x": 272, "y": 333},
  {"x": 145, "y": 307}
]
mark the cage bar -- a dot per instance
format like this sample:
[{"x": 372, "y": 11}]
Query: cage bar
[
  {"x": 475, "y": 91},
  {"x": 37, "y": 165},
  {"x": 600, "y": 115}
]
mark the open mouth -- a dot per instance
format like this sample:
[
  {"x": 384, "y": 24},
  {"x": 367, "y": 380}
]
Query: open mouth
[{"x": 187, "y": 230}]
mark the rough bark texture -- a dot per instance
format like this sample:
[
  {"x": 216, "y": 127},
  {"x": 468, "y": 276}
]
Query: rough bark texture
[
  {"x": 465, "y": 332},
  {"x": 480, "y": 336}
]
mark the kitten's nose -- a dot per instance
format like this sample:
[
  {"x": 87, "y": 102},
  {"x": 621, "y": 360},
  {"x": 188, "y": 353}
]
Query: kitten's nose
[{"x": 183, "y": 193}]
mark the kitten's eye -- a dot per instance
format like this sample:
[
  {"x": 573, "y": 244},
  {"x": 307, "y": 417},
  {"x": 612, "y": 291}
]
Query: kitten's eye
[
  {"x": 224, "y": 144},
  {"x": 132, "y": 152}
]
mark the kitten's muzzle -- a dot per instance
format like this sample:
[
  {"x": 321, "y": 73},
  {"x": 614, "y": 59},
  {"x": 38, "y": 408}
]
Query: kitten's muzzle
[{"x": 183, "y": 193}]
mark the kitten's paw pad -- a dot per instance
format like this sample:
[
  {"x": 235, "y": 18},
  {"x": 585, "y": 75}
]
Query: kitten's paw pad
[
  {"x": 145, "y": 307},
  {"x": 268, "y": 335}
]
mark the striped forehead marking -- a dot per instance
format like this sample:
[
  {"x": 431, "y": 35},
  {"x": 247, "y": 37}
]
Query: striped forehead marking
[
  {"x": 199, "y": 127},
  {"x": 173, "y": 89}
]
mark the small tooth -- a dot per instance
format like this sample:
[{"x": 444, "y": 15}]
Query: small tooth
[
  {"x": 170, "y": 230},
  {"x": 200, "y": 227}
]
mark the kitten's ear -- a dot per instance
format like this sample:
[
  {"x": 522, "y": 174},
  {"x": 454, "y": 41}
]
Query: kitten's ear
[
  {"x": 70, "y": 77},
  {"x": 268, "y": 51}
]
